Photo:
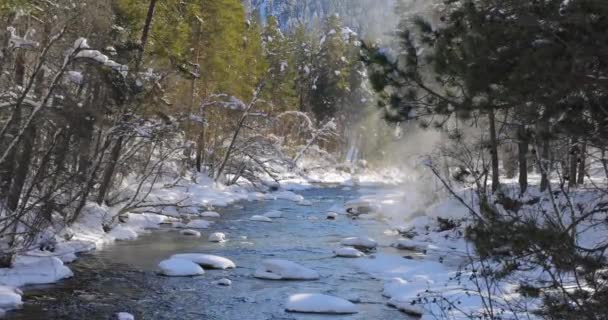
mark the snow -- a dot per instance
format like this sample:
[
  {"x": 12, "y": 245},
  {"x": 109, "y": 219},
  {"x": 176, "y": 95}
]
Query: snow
[
  {"x": 123, "y": 233},
  {"x": 124, "y": 316},
  {"x": 206, "y": 260},
  {"x": 278, "y": 269},
  {"x": 275, "y": 214},
  {"x": 224, "y": 282},
  {"x": 190, "y": 232},
  {"x": 210, "y": 214},
  {"x": 175, "y": 267},
  {"x": 319, "y": 303},
  {"x": 34, "y": 270},
  {"x": 198, "y": 224},
  {"x": 10, "y": 298},
  {"x": 217, "y": 237},
  {"x": 365, "y": 243},
  {"x": 348, "y": 252},
  {"x": 260, "y": 218}
]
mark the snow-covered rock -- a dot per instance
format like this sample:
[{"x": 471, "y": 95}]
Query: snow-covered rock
[
  {"x": 217, "y": 237},
  {"x": 396, "y": 287},
  {"x": 407, "y": 244},
  {"x": 260, "y": 219},
  {"x": 363, "y": 243},
  {"x": 284, "y": 195},
  {"x": 190, "y": 232},
  {"x": 10, "y": 298},
  {"x": 277, "y": 269},
  {"x": 124, "y": 316},
  {"x": 332, "y": 216},
  {"x": 305, "y": 203},
  {"x": 360, "y": 206},
  {"x": 274, "y": 214},
  {"x": 210, "y": 214},
  {"x": 175, "y": 267},
  {"x": 123, "y": 233},
  {"x": 224, "y": 282},
  {"x": 348, "y": 252},
  {"x": 198, "y": 224},
  {"x": 319, "y": 303},
  {"x": 407, "y": 307},
  {"x": 34, "y": 270},
  {"x": 207, "y": 260}
]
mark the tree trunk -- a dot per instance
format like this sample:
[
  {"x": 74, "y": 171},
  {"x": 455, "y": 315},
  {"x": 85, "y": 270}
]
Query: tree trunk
[
  {"x": 20, "y": 175},
  {"x": 573, "y": 164},
  {"x": 494, "y": 150},
  {"x": 145, "y": 33},
  {"x": 109, "y": 172},
  {"x": 522, "y": 148},
  {"x": 582, "y": 164}
]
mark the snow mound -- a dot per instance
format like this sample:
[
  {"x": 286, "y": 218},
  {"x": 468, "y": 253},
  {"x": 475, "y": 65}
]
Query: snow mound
[
  {"x": 224, "y": 282},
  {"x": 348, "y": 252},
  {"x": 260, "y": 219},
  {"x": 190, "y": 232},
  {"x": 124, "y": 316},
  {"x": 180, "y": 268},
  {"x": 210, "y": 214},
  {"x": 198, "y": 224},
  {"x": 34, "y": 270},
  {"x": 277, "y": 269},
  {"x": 206, "y": 260},
  {"x": 123, "y": 233},
  {"x": 217, "y": 237},
  {"x": 10, "y": 298},
  {"x": 364, "y": 243},
  {"x": 319, "y": 303},
  {"x": 274, "y": 214}
]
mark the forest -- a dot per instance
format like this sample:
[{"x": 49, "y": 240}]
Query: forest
[{"x": 454, "y": 151}]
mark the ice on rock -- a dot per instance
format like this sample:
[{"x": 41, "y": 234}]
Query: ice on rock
[
  {"x": 348, "y": 252},
  {"x": 124, "y": 316},
  {"x": 277, "y": 269},
  {"x": 260, "y": 219},
  {"x": 190, "y": 232},
  {"x": 224, "y": 282},
  {"x": 123, "y": 233},
  {"x": 319, "y": 303},
  {"x": 363, "y": 243},
  {"x": 34, "y": 270},
  {"x": 175, "y": 267},
  {"x": 10, "y": 298},
  {"x": 210, "y": 214},
  {"x": 206, "y": 260},
  {"x": 217, "y": 237},
  {"x": 198, "y": 224},
  {"x": 274, "y": 214}
]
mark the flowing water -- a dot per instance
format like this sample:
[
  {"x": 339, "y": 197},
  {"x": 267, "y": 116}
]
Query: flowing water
[{"x": 122, "y": 277}]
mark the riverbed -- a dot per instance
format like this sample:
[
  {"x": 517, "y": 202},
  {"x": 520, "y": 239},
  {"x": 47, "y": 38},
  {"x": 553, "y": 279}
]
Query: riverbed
[{"x": 123, "y": 278}]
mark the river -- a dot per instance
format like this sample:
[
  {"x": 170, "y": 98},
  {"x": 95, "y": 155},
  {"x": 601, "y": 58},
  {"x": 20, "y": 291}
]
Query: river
[{"x": 122, "y": 277}]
